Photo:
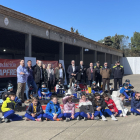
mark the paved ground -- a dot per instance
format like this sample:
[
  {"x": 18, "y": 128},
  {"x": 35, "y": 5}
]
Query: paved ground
[{"x": 126, "y": 128}]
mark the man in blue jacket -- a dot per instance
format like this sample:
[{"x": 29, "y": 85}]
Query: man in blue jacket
[{"x": 135, "y": 104}]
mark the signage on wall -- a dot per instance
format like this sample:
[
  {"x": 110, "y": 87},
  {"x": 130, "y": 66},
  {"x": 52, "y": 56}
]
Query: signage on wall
[{"x": 6, "y": 21}]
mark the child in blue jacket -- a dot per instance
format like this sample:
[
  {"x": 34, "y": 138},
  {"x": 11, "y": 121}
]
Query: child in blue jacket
[
  {"x": 135, "y": 104},
  {"x": 53, "y": 110},
  {"x": 34, "y": 111},
  {"x": 127, "y": 81},
  {"x": 44, "y": 92},
  {"x": 125, "y": 91}
]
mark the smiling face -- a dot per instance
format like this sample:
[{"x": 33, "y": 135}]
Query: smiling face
[
  {"x": 35, "y": 102},
  {"x": 84, "y": 98},
  {"x": 12, "y": 98},
  {"x": 97, "y": 97},
  {"x": 106, "y": 98},
  {"x": 73, "y": 63},
  {"x": 22, "y": 62},
  {"x": 69, "y": 99},
  {"x": 29, "y": 63},
  {"x": 91, "y": 64},
  {"x": 54, "y": 100}
]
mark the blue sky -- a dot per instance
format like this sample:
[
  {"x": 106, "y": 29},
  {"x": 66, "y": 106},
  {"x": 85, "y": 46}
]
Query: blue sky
[{"x": 95, "y": 19}]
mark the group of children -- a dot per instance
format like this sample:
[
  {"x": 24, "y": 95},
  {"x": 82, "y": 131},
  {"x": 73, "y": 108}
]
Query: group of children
[{"x": 91, "y": 107}]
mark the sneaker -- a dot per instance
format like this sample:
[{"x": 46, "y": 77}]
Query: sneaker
[
  {"x": 39, "y": 119},
  {"x": 113, "y": 118},
  {"x": 96, "y": 118},
  {"x": 67, "y": 119},
  {"x": 59, "y": 119},
  {"x": 85, "y": 118},
  {"x": 26, "y": 119},
  {"x": 104, "y": 118},
  {"x": 78, "y": 118},
  {"x": 121, "y": 115},
  {"x": 6, "y": 120},
  {"x": 135, "y": 114}
]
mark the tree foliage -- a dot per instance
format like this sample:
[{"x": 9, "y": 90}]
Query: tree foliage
[
  {"x": 75, "y": 31},
  {"x": 135, "y": 41}
]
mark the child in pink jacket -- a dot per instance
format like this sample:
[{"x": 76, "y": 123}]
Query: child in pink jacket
[{"x": 69, "y": 108}]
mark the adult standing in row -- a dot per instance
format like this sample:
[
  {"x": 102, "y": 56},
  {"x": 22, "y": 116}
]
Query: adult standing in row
[
  {"x": 38, "y": 75},
  {"x": 30, "y": 80},
  {"x": 51, "y": 77},
  {"x": 22, "y": 75},
  {"x": 60, "y": 73},
  {"x": 105, "y": 72},
  {"x": 72, "y": 71},
  {"x": 81, "y": 76},
  {"x": 45, "y": 75},
  {"x": 98, "y": 75},
  {"x": 91, "y": 72},
  {"x": 118, "y": 72}
]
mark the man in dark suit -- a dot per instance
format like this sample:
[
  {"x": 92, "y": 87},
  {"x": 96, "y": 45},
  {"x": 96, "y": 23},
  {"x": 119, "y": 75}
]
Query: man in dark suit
[
  {"x": 81, "y": 76},
  {"x": 91, "y": 74},
  {"x": 38, "y": 75},
  {"x": 72, "y": 71}
]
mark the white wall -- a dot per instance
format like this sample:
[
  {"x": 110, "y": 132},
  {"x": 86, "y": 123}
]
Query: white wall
[{"x": 131, "y": 65}]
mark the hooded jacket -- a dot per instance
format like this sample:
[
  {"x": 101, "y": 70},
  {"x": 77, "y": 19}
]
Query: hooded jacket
[
  {"x": 39, "y": 109},
  {"x": 86, "y": 106},
  {"x": 111, "y": 105},
  {"x": 69, "y": 107},
  {"x": 8, "y": 105},
  {"x": 52, "y": 109},
  {"x": 119, "y": 105}
]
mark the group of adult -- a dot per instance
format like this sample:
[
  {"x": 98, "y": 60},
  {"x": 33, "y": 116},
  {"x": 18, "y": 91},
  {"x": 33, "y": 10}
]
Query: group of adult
[
  {"x": 35, "y": 75},
  {"x": 96, "y": 73}
]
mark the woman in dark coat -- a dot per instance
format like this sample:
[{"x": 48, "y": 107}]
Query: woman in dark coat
[{"x": 45, "y": 75}]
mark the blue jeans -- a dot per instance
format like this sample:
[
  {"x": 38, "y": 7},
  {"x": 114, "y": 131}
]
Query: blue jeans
[
  {"x": 135, "y": 111},
  {"x": 50, "y": 117},
  {"x": 28, "y": 83},
  {"x": 83, "y": 114},
  {"x": 33, "y": 118},
  {"x": 68, "y": 115},
  {"x": 131, "y": 95},
  {"x": 11, "y": 115}
]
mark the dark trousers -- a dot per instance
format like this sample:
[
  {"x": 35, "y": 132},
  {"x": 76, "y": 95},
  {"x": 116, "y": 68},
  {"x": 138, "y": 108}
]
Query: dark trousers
[
  {"x": 83, "y": 79},
  {"x": 50, "y": 84},
  {"x": 38, "y": 85},
  {"x": 99, "y": 79},
  {"x": 106, "y": 80},
  {"x": 117, "y": 80}
]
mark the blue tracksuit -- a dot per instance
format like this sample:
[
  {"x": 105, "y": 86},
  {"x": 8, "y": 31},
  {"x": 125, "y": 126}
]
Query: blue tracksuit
[
  {"x": 135, "y": 104},
  {"x": 126, "y": 95},
  {"x": 52, "y": 109},
  {"x": 48, "y": 93},
  {"x": 29, "y": 111}
]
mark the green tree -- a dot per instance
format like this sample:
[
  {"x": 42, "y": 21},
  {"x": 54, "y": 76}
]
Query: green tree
[
  {"x": 108, "y": 41},
  {"x": 116, "y": 42},
  {"x": 72, "y": 29},
  {"x": 135, "y": 41}
]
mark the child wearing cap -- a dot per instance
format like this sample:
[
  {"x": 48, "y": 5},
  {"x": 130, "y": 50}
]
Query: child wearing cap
[
  {"x": 127, "y": 81},
  {"x": 44, "y": 92},
  {"x": 59, "y": 88},
  {"x": 125, "y": 90},
  {"x": 95, "y": 88},
  {"x": 8, "y": 107},
  {"x": 34, "y": 112},
  {"x": 69, "y": 108}
]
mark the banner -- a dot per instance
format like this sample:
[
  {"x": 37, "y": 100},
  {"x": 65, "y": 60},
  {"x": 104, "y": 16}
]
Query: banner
[
  {"x": 8, "y": 67},
  {"x": 54, "y": 63}
]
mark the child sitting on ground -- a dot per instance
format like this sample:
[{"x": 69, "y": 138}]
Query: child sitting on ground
[
  {"x": 95, "y": 88},
  {"x": 53, "y": 110},
  {"x": 69, "y": 108},
  {"x": 127, "y": 92},
  {"x": 111, "y": 105},
  {"x": 8, "y": 107},
  {"x": 86, "y": 109},
  {"x": 135, "y": 104},
  {"x": 101, "y": 106},
  {"x": 34, "y": 111},
  {"x": 59, "y": 88},
  {"x": 119, "y": 104},
  {"x": 127, "y": 81},
  {"x": 44, "y": 93}
]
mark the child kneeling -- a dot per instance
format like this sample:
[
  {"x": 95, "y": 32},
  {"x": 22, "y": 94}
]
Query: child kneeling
[
  {"x": 53, "y": 110},
  {"x": 86, "y": 109},
  {"x": 69, "y": 108},
  {"x": 34, "y": 111},
  {"x": 8, "y": 107}
]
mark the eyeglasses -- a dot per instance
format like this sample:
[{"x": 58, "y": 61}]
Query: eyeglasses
[{"x": 105, "y": 64}]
